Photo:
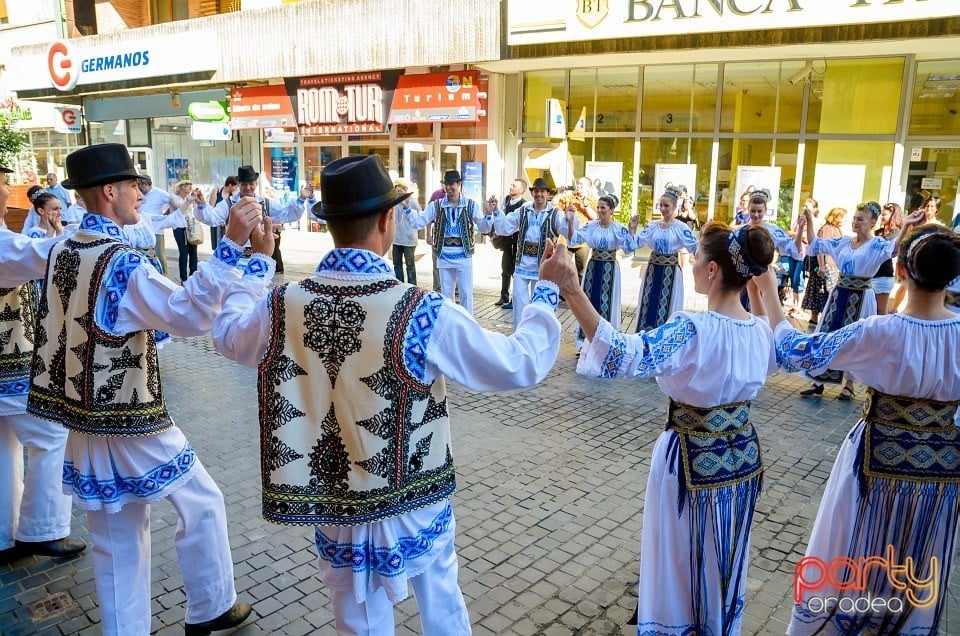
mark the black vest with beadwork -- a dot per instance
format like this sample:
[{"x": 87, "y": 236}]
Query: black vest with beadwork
[
  {"x": 18, "y": 314},
  {"x": 84, "y": 377}
]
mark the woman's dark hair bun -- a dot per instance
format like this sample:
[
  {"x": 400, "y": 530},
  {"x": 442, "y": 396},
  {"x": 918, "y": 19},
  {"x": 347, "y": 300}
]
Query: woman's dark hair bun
[
  {"x": 761, "y": 247},
  {"x": 931, "y": 256}
]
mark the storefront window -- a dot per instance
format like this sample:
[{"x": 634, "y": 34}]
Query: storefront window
[
  {"x": 538, "y": 87},
  {"x": 606, "y": 96},
  {"x": 670, "y": 157},
  {"x": 845, "y": 173},
  {"x": 762, "y": 97},
  {"x": 418, "y": 130},
  {"x": 679, "y": 98},
  {"x": 936, "y": 99},
  {"x": 868, "y": 87}
]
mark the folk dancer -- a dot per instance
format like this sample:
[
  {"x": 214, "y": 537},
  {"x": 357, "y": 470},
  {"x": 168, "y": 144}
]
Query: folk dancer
[
  {"x": 279, "y": 213},
  {"x": 859, "y": 258},
  {"x": 95, "y": 370},
  {"x": 695, "y": 542},
  {"x": 354, "y": 410},
  {"x": 891, "y": 500},
  {"x": 535, "y": 223},
  {"x": 34, "y": 512},
  {"x": 601, "y": 276},
  {"x": 457, "y": 220},
  {"x": 661, "y": 293}
]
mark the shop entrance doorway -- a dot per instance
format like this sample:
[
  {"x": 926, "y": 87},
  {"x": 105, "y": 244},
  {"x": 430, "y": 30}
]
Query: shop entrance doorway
[
  {"x": 933, "y": 168},
  {"x": 419, "y": 169}
]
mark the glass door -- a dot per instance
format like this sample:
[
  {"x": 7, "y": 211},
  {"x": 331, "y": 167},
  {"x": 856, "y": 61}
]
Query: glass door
[
  {"x": 418, "y": 168},
  {"x": 143, "y": 160},
  {"x": 933, "y": 169}
]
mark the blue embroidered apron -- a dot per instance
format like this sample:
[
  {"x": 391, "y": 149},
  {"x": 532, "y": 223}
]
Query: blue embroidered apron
[{"x": 658, "y": 287}]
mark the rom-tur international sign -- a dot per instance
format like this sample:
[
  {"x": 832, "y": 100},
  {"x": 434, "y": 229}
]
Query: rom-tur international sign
[{"x": 546, "y": 21}]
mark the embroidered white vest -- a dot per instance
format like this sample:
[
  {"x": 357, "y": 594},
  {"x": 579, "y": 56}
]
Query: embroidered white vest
[
  {"x": 347, "y": 434},
  {"x": 83, "y": 377},
  {"x": 18, "y": 315}
]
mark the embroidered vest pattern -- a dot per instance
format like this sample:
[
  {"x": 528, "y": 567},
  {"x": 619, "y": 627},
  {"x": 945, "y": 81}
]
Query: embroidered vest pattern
[
  {"x": 548, "y": 229},
  {"x": 87, "y": 379},
  {"x": 18, "y": 314},
  {"x": 377, "y": 443},
  {"x": 466, "y": 226}
]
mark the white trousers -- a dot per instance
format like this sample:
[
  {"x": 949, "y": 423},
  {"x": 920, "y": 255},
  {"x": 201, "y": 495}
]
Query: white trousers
[
  {"x": 121, "y": 557},
  {"x": 443, "y": 612},
  {"x": 460, "y": 277},
  {"x": 32, "y": 505},
  {"x": 522, "y": 292}
]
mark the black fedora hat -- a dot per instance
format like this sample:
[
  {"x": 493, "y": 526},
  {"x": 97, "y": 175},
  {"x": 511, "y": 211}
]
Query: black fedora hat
[
  {"x": 246, "y": 174},
  {"x": 541, "y": 184},
  {"x": 356, "y": 186},
  {"x": 451, "y": 176},
  {"x": 99, "y": 164},
  {"x": 5, "y": 170}
]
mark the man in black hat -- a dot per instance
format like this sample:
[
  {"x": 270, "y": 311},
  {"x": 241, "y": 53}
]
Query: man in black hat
[
  {"x": 534, "y": 223},
  {"x": 456, "y": 221},
  {"x": 34, "y": 512},
  {"x": 95, "y": 370},
  {"x": 354, "y": 411},
  {"x": 279, "y": 213}
]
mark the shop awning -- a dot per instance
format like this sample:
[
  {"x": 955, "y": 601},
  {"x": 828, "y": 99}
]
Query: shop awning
[
  {"x": 453, "y": 96},
  {"x": 261, "y": 107}
]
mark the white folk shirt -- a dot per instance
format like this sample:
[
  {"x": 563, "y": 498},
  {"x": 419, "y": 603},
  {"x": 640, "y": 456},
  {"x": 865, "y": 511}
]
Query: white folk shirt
[{"x": 454, "y": 346}]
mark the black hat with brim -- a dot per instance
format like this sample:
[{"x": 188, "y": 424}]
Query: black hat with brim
[
  {"x": 98, "y": 165},
  {"x": 356, "y": 186},
  {"x": 246, "y": 174},
  {"x": 541, "y": 184},
  {"x": 6, "y": 170}
]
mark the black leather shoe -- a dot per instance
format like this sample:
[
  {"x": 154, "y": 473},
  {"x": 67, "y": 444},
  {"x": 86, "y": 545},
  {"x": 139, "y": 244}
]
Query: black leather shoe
[
  {"x": 503, "y": 300},
  {"x": 507, "y": 305},
  {"x": 231, "y": 618},
  {"x": 10, "y": 554},
  {"x": 58, "y": 548},
  {"x": 815, "y": 391}
]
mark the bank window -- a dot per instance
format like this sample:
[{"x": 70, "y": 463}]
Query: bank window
[
  {"x": 763, "y": 97},
  {"x": 607, "y": 97},
  {"x": 936, "y": 99},
  {"x": 538, "y": 88},
  {"x": 679, "y": 98},
  {"x": 868, "y": 87}
]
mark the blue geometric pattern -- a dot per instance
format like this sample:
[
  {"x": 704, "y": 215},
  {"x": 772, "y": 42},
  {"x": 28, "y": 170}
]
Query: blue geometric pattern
[
  {"x": 355, "y": 261},
  {"x": 36, "y": 233},
  {"x": 96, "y": 223},
  {"x": 14, "y": 387},
  {"x": 664, "y": 342},
  {"x": 257, "y": 266},
  {"x": 799, "y": 352},
  {"x": 116, "y": 283},
  {"x": 615, "y": 355},
  {"x": 389, "y": 561},
  {"x": 229, "y": 252},
  {"x": 546, "y": 292},
  {"x": 418, "y": 335},
  {"x": 148, "y": 486}
]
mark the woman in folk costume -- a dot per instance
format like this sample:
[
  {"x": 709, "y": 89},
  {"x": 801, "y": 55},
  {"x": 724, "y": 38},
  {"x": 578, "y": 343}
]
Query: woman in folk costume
[
  {"x": 661, "y": 294},
  {"x": 892, "y": 494},
  {"x": 858, "y": 257},
  {"x": 706, "y": 471},
  {"x": 601, "y": 277}
]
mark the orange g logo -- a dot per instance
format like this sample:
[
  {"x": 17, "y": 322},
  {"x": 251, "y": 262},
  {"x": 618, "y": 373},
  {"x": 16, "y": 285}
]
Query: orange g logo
[{"x": 63, "y": 73}]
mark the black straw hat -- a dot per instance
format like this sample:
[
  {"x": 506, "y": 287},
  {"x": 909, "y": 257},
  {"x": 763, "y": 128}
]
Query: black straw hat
[
  {"x": 97, "y": 165},
  {"x": 451, "y": 176},
  {"x": 356, "y": 186},
  {"x": 246, "y": 174}
]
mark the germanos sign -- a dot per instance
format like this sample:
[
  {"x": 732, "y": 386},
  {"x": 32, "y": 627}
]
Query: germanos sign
[{"x": 546, "y": 21}]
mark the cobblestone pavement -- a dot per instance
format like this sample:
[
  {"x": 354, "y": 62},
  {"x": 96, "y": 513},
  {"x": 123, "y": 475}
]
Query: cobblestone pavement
[{"x": 549, "y": 504}]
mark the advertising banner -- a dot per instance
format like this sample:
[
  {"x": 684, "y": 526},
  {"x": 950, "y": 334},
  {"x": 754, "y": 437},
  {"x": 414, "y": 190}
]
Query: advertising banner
[
  {"x": 453, "y": 96},
  {"x": 178, "y": 169},
  {"x": 260, "y": 107},
  {"x": 761, "y": 178},
  {"x": 344, "y": 104},
  {"x": 67, "y": 120},
  {"x": 473, "y": 180},
  {"x": 283, "y": 171},
  {"x": 675, "y": 175},
  {"x": 607, "y": 178}
]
